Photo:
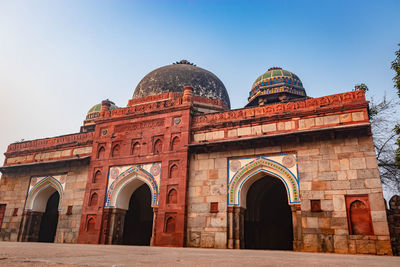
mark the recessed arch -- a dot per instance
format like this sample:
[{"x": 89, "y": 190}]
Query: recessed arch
[
  {"x": 135, "y": 149},
  {"x": 173, "y": 171},
  {"x": 41, "y": 192},
  {"x": 121, "y": 189},
  {"x": 101, "y": 152},
  {"x": 97, "y": 177},
  {"x": 49, "y": 219},
  {"x": 268, "y": 216},
  {"x": 360, "y": 219},
  {"x": 138, "y": 221},
  {"x": 172, "y": 196},
  {"x": 175, "y": 143},
  {"x": 255, "y": 170},
  {"x": 90, "y": 225},
  {"x": 157, "y": 148},
  {"x": 93, "y": 199},
  {"x": 170, "y": 224},
  {"x": 116, "y": 151}
]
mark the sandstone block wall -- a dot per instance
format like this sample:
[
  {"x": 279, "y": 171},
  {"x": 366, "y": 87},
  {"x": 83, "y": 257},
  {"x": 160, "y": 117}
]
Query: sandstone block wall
[
  {"x": 207, "y": 184},
  {"x": 14, "y": 188},
  {"x": 330, "y": 168}
]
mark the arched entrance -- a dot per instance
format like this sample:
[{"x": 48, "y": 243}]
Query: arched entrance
[
  {"x": 48, "y": 224},
  {"x": 274, "y": 194},
  {"x": 268, "y": 216},
  {"x": 42, "y": 205},
  {"x": 138, "y": 224},
  {"x": 130, "y": 200}
]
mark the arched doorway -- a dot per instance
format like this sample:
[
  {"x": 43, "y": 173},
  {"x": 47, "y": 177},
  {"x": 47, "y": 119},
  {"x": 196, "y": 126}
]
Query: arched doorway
[
  {"x": 48, "y": 224},
  {"x": 268, "y": 217},
  {"x": 138, "y": 224},
  {"x": 40, "y": 218},
  {"x": 130, "y": 199}
]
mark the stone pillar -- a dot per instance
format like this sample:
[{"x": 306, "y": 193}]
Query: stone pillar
[
  {"x": 241, "y": 227},
  {"x": 230, "y": 228},
  {"x": 187, "y": 94},
  {"x": 153, "y": 233},
  {"x": 235, "y": 227},
  {"x": 296, "y": 218},
  {"x": 238, "y": 227},
  {"x": 105, "y": 236}
]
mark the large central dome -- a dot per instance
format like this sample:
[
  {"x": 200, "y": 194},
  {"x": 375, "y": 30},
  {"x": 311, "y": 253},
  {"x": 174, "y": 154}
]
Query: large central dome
[{"x": 173, "y": 78}]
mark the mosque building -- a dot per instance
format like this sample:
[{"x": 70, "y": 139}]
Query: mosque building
[{"x": 178, "y": 167}]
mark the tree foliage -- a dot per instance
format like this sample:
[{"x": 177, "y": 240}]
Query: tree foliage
[
  {"x": 385, "y": 138},
  {"x": 396, "y": 79},
  {"x": 396, "y": 68}
]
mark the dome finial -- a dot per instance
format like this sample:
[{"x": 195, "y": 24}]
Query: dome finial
[
  {"x": 184, "y": 61},
  {"x": 274, "y": 68}
]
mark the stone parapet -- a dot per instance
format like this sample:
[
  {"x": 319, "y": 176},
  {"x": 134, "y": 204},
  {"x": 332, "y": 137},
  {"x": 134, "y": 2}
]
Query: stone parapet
[
  {"x": 336, "y": 111},
  {"x": 49, "y": 149},
  {"x": 49, "y": 143},
  {"x": 289, "y": 109}
]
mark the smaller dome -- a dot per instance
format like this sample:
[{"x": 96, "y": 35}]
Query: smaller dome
[
  {"x": 94, "y": 112},
  {"x": 89, "y": 123},
  {"x": 276, "y": 85},
  {"x": 97, "y": 108}
]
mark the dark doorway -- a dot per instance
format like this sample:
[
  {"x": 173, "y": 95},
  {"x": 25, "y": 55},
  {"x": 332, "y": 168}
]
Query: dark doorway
[
  {"x": 268, "y": 217},
  {"x": 138, "y": 226},
  {"x": 48, "y": 225}
]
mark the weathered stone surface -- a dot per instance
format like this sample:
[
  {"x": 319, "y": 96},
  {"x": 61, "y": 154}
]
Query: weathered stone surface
[
  {"x": 339, "y": 203},
  {"x": 207, "y": 240},
  {"x": 271, "y": 127},
  {"x": 194, "y": 239},
  {"x": 357, "y": 163},
  {"x": 243, "y": 131},
  {"x": 334, "y": 119},
  {"x": 357, "y": 116},
  {"x": 310, "y": 242},
  {"x": 232, "y": 133},
  {"x": 340, "y": 244}
]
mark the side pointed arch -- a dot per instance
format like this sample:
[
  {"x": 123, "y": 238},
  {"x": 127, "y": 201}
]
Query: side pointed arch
[
  {"x": 256, "y": 169},
  {"x": 121, "y": 189},
  {"x": 40, "y": 192}
]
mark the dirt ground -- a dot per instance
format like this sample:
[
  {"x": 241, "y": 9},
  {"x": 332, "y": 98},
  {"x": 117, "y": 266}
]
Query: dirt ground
[{"x": 48, "y": 254}]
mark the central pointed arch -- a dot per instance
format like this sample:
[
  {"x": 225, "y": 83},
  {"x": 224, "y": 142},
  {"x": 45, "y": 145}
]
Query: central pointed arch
[
  {"x": 255, "y": 170},
  {"x": 121, "y": 189}
]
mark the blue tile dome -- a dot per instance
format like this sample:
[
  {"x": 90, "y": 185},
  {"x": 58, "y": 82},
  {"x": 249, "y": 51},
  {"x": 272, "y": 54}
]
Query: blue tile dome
[{"x": 277, "y": 82}]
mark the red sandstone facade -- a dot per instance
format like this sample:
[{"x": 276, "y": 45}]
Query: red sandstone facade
[{"x": 335, "y": 198}]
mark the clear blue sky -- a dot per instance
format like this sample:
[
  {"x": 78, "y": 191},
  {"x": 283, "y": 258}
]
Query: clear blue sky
[{"x": 58, "y": 58}]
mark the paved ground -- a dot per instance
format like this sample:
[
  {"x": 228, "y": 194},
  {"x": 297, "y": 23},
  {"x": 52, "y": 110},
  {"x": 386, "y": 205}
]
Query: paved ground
[{"x": 42, "y": 254}]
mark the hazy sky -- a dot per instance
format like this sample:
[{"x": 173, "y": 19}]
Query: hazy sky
[{"x": 59, "y": 58}]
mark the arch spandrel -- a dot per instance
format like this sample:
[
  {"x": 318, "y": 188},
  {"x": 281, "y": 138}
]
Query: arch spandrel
[
  {"x": 41, "y": 188},
  {"x": 242, "y": 172},
  {"x": 124, "y": 180}
]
